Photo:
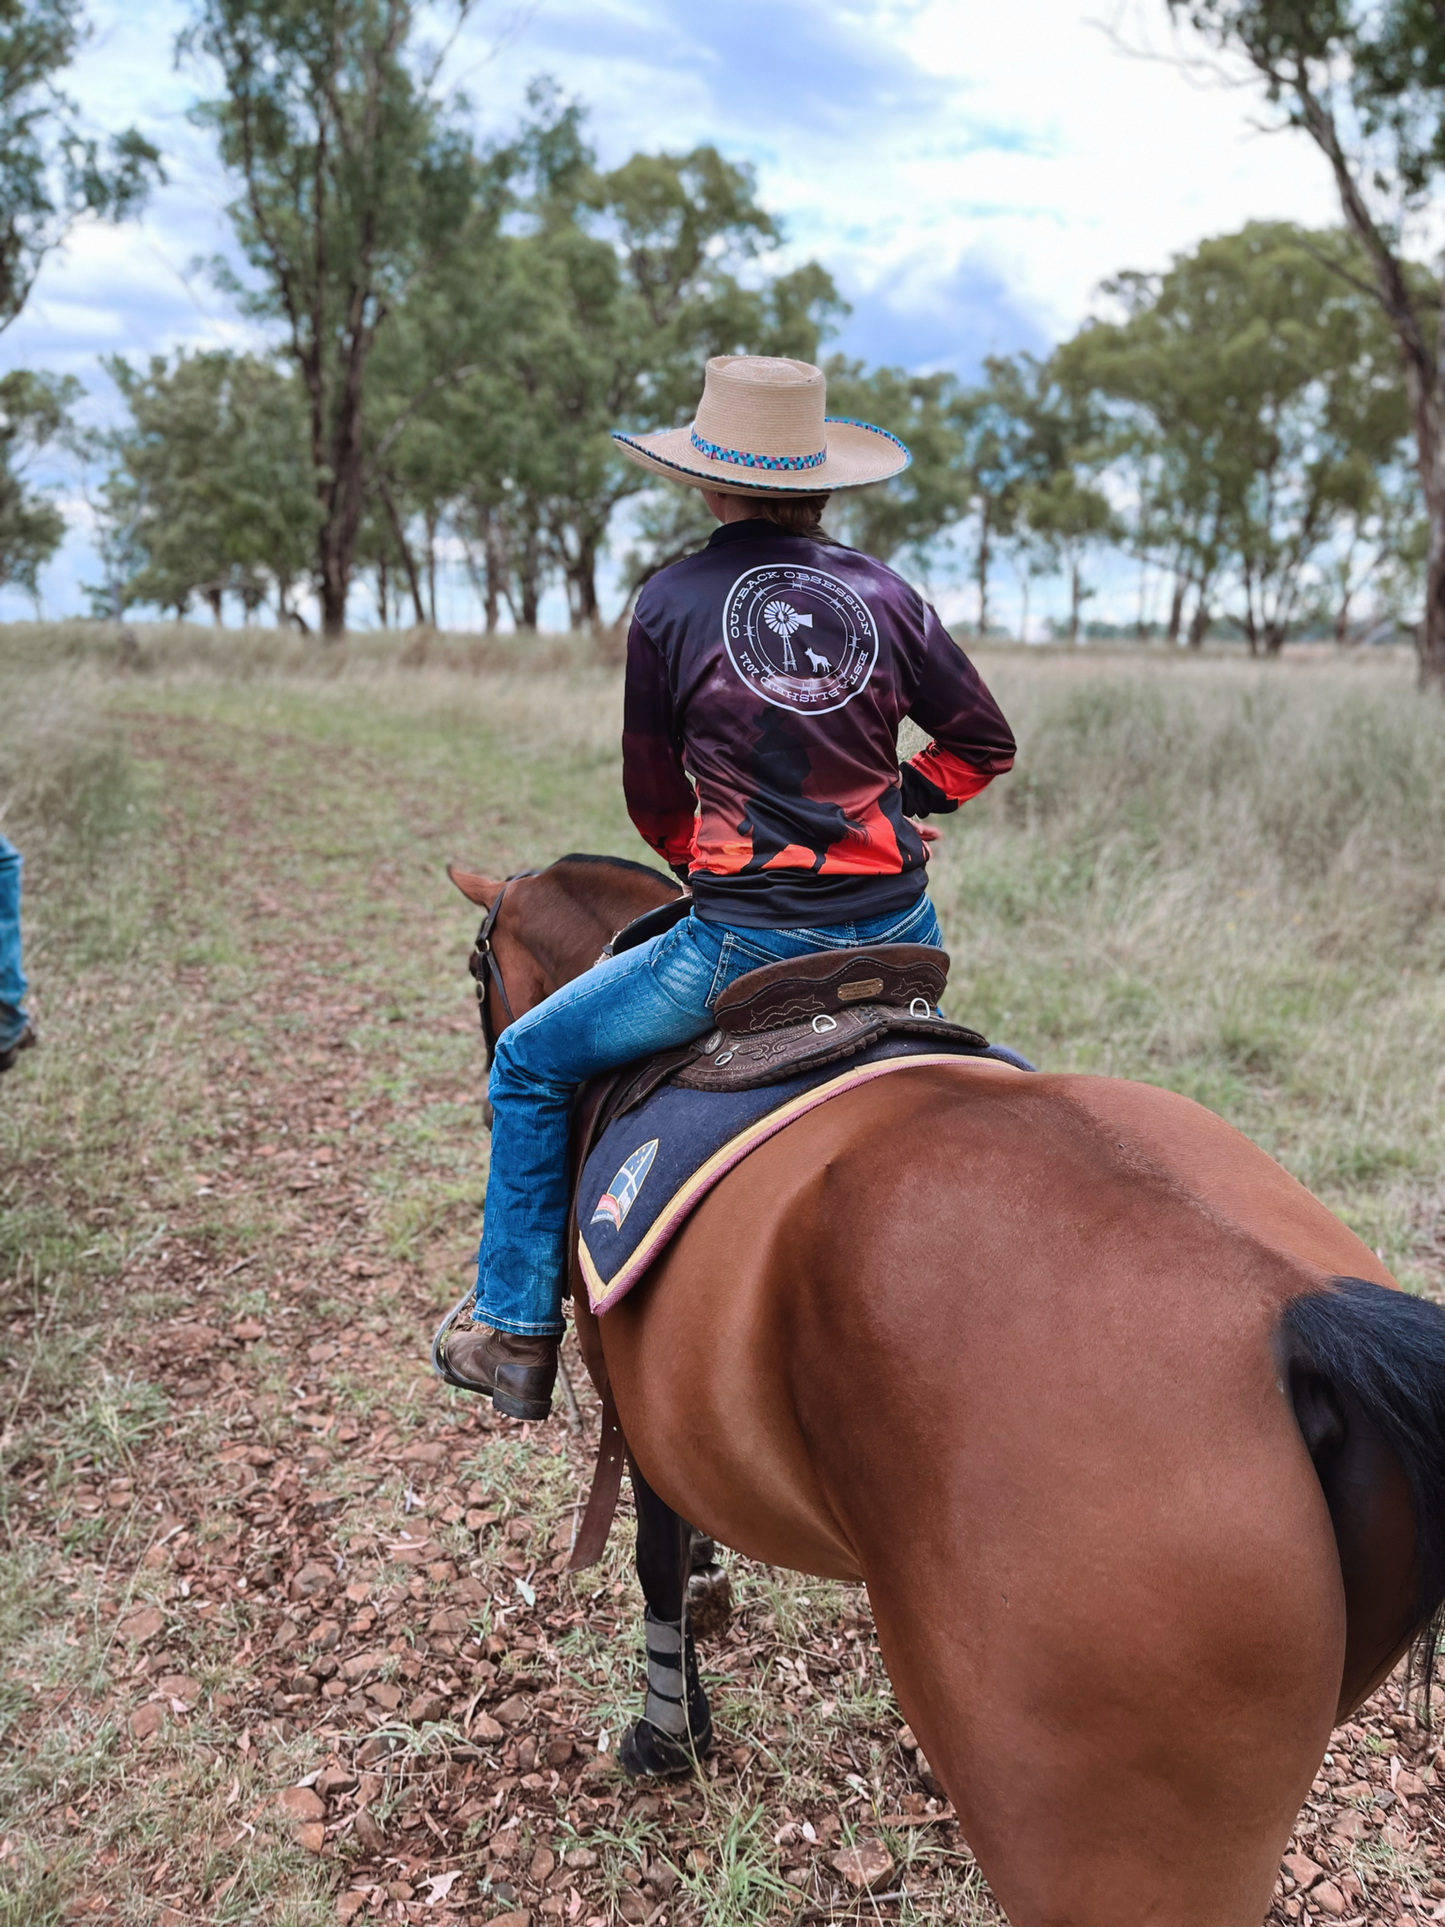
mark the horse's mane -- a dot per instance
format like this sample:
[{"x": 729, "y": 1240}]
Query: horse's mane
[{"x": 618, "y": 863}]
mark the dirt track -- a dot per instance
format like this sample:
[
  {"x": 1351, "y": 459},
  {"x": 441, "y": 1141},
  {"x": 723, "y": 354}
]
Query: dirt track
[{"x": 326, "y": 1596}]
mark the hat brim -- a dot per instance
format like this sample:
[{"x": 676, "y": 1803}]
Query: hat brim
[{"x": 857, "y": 454}]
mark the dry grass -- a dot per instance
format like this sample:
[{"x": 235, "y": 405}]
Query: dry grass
[{"x": 1226, "y": 879}]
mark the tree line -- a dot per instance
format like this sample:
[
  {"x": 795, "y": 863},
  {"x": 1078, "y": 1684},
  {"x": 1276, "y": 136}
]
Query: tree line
[{"x": 457, "y": 325}]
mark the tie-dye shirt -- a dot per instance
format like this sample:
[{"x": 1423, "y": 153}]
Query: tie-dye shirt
[{"x": 766, "y": 680}]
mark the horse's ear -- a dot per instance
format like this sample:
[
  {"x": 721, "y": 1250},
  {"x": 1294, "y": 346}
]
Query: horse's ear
[{"x": 476, "y": 888}]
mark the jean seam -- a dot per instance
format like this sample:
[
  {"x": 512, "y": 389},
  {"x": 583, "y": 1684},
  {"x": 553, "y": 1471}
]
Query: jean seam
[{"x": 720, "y": 973}]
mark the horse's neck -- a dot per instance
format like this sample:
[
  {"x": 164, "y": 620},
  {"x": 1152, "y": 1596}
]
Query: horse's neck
[{"x": 569, "y": 935}]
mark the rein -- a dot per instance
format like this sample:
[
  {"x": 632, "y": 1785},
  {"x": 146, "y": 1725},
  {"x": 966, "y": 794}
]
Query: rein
[{"x": 485, "y": 967}]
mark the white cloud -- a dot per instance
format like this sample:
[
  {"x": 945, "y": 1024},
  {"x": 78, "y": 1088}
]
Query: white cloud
[{"x": 969, "y": 171}]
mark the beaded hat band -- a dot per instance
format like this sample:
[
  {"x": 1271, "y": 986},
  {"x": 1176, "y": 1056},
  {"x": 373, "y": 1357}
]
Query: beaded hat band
[{"x": 762, "y": 428}]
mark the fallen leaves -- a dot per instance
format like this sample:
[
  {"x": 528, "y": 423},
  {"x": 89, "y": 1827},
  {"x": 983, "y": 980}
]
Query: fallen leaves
[{"x": 143, "y": 1625}]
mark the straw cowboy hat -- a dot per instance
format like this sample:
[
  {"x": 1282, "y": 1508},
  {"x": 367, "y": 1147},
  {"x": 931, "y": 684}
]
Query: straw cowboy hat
[{"x": 761, "y": 429}]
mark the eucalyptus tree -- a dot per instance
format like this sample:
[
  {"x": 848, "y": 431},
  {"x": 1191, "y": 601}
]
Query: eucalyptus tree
[
  {"x": 904, "y": 516},
  {"x": 356, "y": 180},
  {"x": 605, "y": 294},
  {"x": 1252, "y": 396},
  {"x": 34, "y": 412},
  {"x": 52, "y": 170},
  {"x": 1365, "y": 80},
  {"x": 211, "y": 481}
]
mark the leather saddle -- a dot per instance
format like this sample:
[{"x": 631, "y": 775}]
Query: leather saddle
[{"x": 786, "y": 1018}]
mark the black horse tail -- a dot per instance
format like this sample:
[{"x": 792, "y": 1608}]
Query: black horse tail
[{"x": 1366, "y": 1373}]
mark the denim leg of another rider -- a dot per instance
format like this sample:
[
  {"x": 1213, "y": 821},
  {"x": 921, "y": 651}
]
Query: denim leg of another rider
[
  {"x": 12, "y": 977},
  {"x": 651, "y": 998}
]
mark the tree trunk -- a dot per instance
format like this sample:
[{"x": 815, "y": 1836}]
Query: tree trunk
[
  {"x": 1430, "y": 633},
  {"x": 1176, "y": 608},
  {"x": 212, "y": 599},
  {"x": 431, "y": 565},
  {"x": 1422, "y": 364},
  {"x": 1074, "y": 600},
  {"x": 1342, "y": 618},
  {"x": 383, "y": 597},
  {"x": 582, "y": 586},
  {"x": 982, "y": 572},
  {"x": 406, "y": 556},
  {"x": 1199, "y": 622},
  {"x": 495, "y": 567},
  {"x": 529, "y": 569}
]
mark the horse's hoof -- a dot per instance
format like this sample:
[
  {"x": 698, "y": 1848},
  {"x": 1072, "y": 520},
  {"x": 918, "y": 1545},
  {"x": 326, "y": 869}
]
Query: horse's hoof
[
  {"x": 646, "y": 1754},
  {"x": 709, "y": 1601}
]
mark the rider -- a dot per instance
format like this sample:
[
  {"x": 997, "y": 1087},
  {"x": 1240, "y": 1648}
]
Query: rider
[{"x": 767, "y": 676}]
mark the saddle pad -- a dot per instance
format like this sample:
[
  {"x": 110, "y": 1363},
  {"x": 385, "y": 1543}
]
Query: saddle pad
[{"x": 653, "y": 1165}]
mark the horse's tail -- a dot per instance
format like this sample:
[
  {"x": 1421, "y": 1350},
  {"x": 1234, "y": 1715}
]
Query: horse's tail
[{"x": 1366, "y": 1373}]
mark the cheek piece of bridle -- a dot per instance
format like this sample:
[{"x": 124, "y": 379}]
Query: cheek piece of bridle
[{"x": 486, "y": 967}]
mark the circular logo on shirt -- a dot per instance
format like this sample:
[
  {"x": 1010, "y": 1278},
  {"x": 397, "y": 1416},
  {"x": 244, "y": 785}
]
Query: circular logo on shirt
[{"x": 801, "y": 638}]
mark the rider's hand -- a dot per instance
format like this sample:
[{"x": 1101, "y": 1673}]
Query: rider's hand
[{"x": 926, "y": 831}]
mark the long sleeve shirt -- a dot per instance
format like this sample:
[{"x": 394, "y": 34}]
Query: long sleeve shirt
[{"x": 766, "y": 680}]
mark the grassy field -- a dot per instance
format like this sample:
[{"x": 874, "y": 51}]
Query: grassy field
[{"x": 284, "y": 1631}]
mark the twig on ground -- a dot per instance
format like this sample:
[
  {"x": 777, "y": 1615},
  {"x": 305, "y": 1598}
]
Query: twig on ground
[{"x": 569, "y": 1397}]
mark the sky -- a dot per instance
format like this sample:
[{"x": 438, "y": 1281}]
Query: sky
[{"x": 968, "y": 172}]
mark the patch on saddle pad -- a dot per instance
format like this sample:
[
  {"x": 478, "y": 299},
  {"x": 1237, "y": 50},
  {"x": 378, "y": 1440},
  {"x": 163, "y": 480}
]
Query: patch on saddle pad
[{"x": 653, "y": 1165}]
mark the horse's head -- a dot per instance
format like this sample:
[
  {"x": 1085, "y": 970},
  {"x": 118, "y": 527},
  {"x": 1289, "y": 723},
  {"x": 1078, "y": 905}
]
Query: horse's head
[{"x": 544, "y": 927}]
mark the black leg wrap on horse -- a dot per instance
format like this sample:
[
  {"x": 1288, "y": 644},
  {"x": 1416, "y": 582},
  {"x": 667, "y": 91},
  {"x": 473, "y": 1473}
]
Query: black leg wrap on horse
[{"x": 675, "y": 1730}]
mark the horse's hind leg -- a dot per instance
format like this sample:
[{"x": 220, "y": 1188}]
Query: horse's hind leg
[{"x": 676, "y": 1724}]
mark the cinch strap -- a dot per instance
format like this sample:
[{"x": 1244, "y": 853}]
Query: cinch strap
[{"x": 740, "y": 457}]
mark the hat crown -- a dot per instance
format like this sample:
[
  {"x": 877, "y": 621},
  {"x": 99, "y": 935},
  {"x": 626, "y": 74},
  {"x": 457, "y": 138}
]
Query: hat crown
[{"x": 763, "y": 405}]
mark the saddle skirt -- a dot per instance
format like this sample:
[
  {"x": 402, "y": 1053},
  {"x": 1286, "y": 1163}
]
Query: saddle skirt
[{"x": 651, "y": 1140}]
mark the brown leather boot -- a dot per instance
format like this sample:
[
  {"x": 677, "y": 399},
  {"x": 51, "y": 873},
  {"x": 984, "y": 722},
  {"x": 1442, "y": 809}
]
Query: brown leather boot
[
  {"x": 27, "y": 1040},
  {"x": 518, "y": 1372}
]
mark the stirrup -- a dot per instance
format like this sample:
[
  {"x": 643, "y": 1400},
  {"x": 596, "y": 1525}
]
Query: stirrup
[{"x": 438, "y": 1357}]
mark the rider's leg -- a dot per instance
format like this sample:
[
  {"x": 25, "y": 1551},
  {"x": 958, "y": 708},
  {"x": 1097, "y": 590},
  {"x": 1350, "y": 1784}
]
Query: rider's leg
[
  {"x": 14, "y": 1024},
  {"x": 648, "y": 999},
  {"x": 623, "y": 1008}
]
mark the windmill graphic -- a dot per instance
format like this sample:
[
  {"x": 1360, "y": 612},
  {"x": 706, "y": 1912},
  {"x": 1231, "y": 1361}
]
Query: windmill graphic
[{"x": 784, "y": 620}]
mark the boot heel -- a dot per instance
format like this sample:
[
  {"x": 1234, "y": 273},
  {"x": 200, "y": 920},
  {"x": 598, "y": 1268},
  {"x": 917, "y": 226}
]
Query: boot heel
[{"x": 523, "y": 1408}]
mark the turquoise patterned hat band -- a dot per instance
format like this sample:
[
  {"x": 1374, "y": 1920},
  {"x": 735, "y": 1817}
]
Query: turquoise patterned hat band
[
  {"x": 743, "y": 458},
  {"x": 762, "y": 425}
]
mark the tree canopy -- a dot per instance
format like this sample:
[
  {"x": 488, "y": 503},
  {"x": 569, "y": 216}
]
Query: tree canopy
[{"x": 1365, "y": 81}]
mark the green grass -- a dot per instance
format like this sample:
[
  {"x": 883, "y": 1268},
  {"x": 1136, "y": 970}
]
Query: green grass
[{"x": 1221, "y": 877}]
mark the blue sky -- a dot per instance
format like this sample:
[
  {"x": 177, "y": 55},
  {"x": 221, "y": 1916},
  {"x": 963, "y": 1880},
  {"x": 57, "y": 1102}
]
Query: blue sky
[{"x": 968, "y": 172}]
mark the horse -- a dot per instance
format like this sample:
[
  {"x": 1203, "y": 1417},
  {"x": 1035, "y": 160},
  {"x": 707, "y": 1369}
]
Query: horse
[{"x": 1138, "y": 1450}]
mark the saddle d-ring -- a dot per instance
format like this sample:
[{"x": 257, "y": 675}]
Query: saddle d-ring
[
  {"x": 920, "y": 1007},
  {"x": 822, "y": 1023}
]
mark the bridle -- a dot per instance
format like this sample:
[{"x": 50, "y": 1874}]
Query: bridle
[{"x": 487, "y": 970}]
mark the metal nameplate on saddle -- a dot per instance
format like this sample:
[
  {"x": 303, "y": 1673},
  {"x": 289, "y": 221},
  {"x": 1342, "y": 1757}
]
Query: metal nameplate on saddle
[{"x": 791, "y": 1017}]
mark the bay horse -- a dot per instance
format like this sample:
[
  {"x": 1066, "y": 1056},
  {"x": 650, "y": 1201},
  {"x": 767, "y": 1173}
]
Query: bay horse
[{"x": 1137, "y": 1448}]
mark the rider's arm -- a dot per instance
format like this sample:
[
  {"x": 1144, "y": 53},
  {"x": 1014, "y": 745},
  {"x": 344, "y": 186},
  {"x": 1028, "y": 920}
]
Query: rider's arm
[
  {"x": 660, "y": 799},
  {"x": 971, "y": 741}
]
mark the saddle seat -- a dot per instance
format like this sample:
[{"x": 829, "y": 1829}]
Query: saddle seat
[{"x": 787, "y": 1018}]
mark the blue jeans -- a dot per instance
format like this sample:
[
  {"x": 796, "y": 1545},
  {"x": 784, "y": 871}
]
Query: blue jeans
[
  {"x": 648, "y": 999},
  {"x": 12, "y": 978}
]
